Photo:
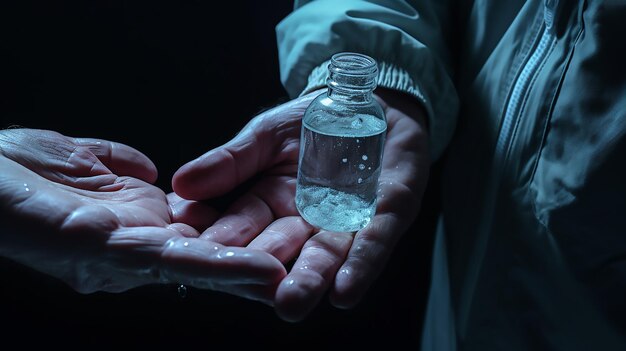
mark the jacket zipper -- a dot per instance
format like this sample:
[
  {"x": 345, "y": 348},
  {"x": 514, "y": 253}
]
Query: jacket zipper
[
  {"x": 522, "y": 85},
  {"x": 512, "y": 113}
]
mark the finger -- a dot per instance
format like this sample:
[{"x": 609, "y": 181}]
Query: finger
[
  {"x": 401, "y": 185},
  {"x": 398, "y": 205},
  {"x": 365, "y": 260},
  {"x": 311, "y": 275},
  {"x": 138, "y": 256},
  {"x": 173, "y": 258},
  {"x": 267, "y": 140},
  {"x": 204, "y": 264},
  {"x": 184, "y": 229},
  {"x": 121, "y": 159},
  {"x": 244, "y": 220},
  {"x": 272, "y": 197},
  {"x": 283, "y": 238},
  {"x": 194, "y": 213}
]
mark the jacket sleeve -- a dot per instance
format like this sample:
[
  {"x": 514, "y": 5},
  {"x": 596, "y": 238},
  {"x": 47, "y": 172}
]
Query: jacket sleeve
[{"x": 407, "y": 38}]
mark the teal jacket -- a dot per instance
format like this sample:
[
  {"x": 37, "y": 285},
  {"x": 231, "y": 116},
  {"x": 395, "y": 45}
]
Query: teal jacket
[{"x": 526, "y": 102}]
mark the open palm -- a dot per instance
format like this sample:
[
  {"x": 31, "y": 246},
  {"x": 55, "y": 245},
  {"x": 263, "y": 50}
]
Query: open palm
[
  {"x": 265, "y": 217},
  {"x": 83, "y": 210}
]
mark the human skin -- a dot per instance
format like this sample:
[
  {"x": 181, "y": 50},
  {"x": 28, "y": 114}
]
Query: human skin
[
  {"x": 84, "y": 211},
  {"x": 264, "y": 217}
]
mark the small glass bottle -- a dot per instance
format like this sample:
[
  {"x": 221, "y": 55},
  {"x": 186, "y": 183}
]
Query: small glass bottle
[{"x": 341, "y": 148}]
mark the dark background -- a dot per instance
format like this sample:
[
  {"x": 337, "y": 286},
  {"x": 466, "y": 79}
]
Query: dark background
[{"x": 172, "y": 79}]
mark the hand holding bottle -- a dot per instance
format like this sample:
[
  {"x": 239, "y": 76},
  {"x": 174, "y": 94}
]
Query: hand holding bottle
[{"x": 265, "y": 216}]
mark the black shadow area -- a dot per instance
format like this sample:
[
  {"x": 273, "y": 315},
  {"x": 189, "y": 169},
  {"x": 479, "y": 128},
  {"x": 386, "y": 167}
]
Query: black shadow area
[{"x": 172, "y": 79}]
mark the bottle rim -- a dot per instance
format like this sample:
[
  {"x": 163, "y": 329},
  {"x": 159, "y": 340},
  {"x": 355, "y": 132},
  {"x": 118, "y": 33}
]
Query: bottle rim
[{"x": 353, "y": 63}]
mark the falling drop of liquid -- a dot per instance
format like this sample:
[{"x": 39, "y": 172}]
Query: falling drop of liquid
[
  {"x": 360, "y": 180},
  {"x": 182, "y": 291},
  {"x": 364, "y": 157},
  {"x": 344, "y": 160},
  {"x": 361, "y": 166}
]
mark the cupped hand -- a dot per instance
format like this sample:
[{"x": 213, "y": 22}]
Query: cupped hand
[
  {"x": 84, "y": 211},
  {"x": 264, "y": 217}
]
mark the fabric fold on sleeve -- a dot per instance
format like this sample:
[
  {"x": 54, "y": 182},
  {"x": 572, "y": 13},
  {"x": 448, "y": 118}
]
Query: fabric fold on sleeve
[{"x": 404, "y": 37}]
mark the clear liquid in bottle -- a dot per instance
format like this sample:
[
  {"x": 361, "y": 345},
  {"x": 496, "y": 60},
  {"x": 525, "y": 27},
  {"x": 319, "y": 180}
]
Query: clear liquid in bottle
[{"x": 340, "y": 162}]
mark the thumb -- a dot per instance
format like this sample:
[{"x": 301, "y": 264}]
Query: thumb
[{"x": 267, "y": 140}]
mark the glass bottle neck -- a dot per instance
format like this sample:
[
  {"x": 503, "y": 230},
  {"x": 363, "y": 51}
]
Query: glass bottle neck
[
  {"x": 357, "y": 97},
  {"x": 351, "y": 78}
]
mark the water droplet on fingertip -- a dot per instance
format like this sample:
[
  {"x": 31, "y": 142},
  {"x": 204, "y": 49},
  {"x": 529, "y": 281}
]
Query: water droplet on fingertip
[{"x": 182, "y": 291}]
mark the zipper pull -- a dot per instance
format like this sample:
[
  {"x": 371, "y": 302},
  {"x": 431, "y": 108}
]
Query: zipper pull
[{"x": 549, "y": 9}]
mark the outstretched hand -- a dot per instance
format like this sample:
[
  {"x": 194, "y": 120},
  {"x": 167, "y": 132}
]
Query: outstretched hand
[
  {"x": 265, "y": 217},
  {"x": 84, "y": 211}
]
